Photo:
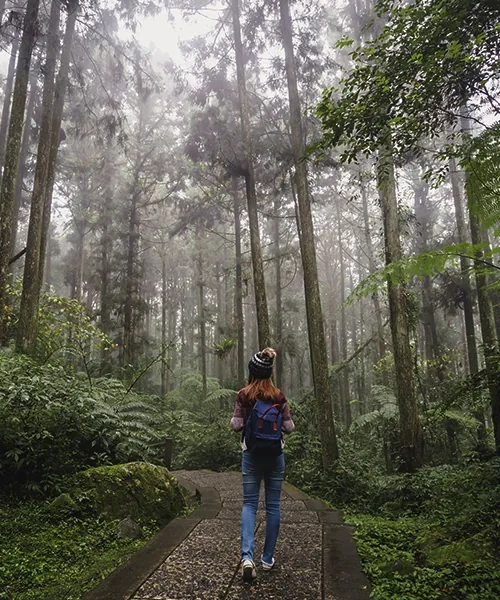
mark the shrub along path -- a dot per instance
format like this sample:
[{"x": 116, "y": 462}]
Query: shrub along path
[{"x": 197, "y": 557}]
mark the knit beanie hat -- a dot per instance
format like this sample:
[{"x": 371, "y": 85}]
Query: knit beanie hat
[{"x": 261, "y": 364}]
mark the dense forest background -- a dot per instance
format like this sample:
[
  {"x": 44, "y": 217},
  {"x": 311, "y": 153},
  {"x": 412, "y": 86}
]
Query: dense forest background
[{"x": 322, "y": 177}]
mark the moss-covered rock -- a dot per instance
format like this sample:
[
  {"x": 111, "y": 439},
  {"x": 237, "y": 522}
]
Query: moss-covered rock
[
  {"x": 141, "y": 491},
  {"x": 63, "y": 506}
]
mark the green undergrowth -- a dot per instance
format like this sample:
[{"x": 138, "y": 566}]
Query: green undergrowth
[
  {"x": 434, "y": 535},
  {"x": 43, "y": 559},
  {"x": 394, "y": 556}
]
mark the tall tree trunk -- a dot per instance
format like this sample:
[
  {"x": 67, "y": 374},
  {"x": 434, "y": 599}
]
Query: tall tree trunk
[
  {"x": 57, "y": 113},
  {"x": 486, "y": 316},
  {"x": 48, "y": 262},
  {"x": 172, "y": 332},
  {"x": 131, "y": 276},
  {"x": 411, "y": 436},
  {"x": 346, "y": 397},
  {"x": 23, "y": 156},
  {"x": 375, "y": 297},
  {"x": 423, "y": 217},
  {"x": 317, "y": 342},
  {"x": 253, "y": 218},
  {"x": 163, "y": 325},
  {"x": 183, "y": 327},
  {"x": 28, "y": 317},
  {"x": 278, "y": 335},
  {"x": 9, "y": 84},
  {"x": 467, "y": 297},
  {"x": 487, "y": 320},
  {"x": 8, "y": 188},
  {"x": 238, "y": 287},
  {"x": 201, "y": 321},
  {"x": 363, "y": 395}
]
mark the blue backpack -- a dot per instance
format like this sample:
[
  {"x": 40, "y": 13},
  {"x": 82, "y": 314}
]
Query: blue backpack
[{"x": 263, "y": 429}]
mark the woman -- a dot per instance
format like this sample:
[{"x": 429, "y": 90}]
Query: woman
[{"x": 265, "y": 462}]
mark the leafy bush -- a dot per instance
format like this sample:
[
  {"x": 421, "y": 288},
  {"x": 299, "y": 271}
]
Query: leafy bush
[
  {"x": 65, "y": 327},
  {"x": 54, "y": 423},
  {"x": 43, "y": 560},
  {"x": 201, "y": 427}
]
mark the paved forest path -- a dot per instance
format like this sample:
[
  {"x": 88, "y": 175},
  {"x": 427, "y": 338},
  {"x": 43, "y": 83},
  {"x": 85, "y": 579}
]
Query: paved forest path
[{"x": 197, "y": 557}]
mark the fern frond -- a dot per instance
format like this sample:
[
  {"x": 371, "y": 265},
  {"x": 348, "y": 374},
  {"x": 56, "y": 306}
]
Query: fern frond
[
  {"x": 483, "y": 184},
  {"x": 222, "y": 394},
  {"x": 425, "y": 264}
]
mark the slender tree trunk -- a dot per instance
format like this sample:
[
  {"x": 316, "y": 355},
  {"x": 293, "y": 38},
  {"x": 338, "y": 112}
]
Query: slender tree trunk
[
  {"x": 183, "y": 328},
  {"x": 238, "y": 287},
  {"x": 375, "y": 297},
  {"x": 23, "y": 156},
  {"x": 253, "y": 218},
  {"x": 346, "y": 397},
  {"x": 201, "y": 322},
  {"x": 467, "y": 297},
  {"x": 423, "y": 217},
  {"x": 131, "y": 276},
  {"x": 48, "y": 262},
  {"x": 487, "y": 320},
  {"x": 279, "y": 309},
  {"x": 9, "y": 84},
  {"x": 57, "y": 113},
  {"x": 362, "y": 377},
  {"x": 411, "y": 436},
  {"x": 106, "y": 251},
  {"x": 28, "y": 317},
  {"x": 163, "y": 324},
  {"x": 317, "y": 342},
  {"x": 8, "y": 188},
  {"x": 172, "y": 332}
]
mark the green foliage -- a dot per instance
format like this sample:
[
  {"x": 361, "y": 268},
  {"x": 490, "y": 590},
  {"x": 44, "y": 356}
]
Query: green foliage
[
  {"x": 65, "y": 327},
  {"x": 425, "y": 264},
  {"x": 54, "y": 422},
  {"x": 483, "y": 184},
  {"x": 224, "y": 347},
  {"x": 45, "y": 560},
  {"x": 413, "y": 79},
  {"x": 201, "y": 428}
]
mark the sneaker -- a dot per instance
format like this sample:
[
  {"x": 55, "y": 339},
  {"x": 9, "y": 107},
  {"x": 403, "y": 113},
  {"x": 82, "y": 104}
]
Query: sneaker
[
  {"x": 248, "y": 570},
  {"x": 267, "y": 567}
]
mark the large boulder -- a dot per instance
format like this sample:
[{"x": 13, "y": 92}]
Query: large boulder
[{"x": 140, "y": 491}]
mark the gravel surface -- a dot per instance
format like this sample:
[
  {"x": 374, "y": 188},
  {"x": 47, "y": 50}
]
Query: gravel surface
[{"x": 205, "y": 566}]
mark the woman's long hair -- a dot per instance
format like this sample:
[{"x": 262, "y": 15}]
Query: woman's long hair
[{"x": 262, "y": 389}]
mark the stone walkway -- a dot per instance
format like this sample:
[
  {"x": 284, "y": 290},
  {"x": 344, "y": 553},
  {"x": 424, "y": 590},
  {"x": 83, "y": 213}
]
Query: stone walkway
[{"x": 315, "y": 557}]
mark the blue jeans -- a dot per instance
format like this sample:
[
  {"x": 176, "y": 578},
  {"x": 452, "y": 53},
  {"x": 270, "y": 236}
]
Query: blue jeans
[{"x": 253, "y": 471}]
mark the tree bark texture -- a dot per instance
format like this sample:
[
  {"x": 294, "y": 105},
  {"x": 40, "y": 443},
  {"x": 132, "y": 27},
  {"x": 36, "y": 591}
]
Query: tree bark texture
[
  {"x": 9, "y": 84},
  {"x": 253, "y": 217},
  {"x": 23, "y": 156},
  {"x": 384, "y": 378},
  {"x": 345, "y": 394},
  {"x": 57, "y": 113},
  {"x": 238, "y": 287},
  {"x": 7, "y": 192},
  {"x": 201, "y": 323},
  {"x": 28, "y": 318},
  {"x": 278, "y": 335},
  {"x": 411, "y": 436},
  {"x": 317, "y": 342}
]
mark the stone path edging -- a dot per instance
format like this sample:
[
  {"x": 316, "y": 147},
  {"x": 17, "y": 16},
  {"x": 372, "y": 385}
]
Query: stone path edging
[
  {"x": 124, "y": 581},
  {"x": 330, "y": 565}
]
